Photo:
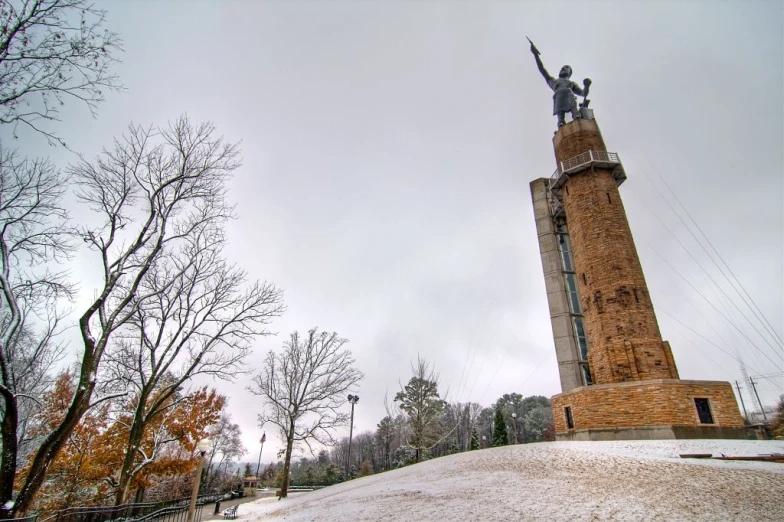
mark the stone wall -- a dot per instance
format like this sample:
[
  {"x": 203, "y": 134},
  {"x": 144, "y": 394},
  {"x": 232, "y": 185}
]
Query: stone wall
[
  {"x": 577, "y": 137},
  {"x": 623, "y": 334},
  {"x": 661, "y": 402}
]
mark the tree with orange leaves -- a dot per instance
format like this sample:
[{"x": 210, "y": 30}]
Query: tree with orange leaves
[
  {"x": 169, "y": 435},
  {"x": 78, "y": 476},
  {"x": 84, "y": 473}
]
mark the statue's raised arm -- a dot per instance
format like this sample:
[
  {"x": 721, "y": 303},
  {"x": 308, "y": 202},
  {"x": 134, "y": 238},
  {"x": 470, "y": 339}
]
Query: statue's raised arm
[
  {"x": 563, "y": 88},
  {"x": 546, "y": 75}
]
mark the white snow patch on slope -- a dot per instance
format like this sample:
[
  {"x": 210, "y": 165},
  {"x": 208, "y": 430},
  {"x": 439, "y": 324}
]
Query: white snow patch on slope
[{"x": 628, "y": 480}]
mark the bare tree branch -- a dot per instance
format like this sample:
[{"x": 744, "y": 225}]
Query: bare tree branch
[
  {"x": 154, "y": 191},
  {"x": 33, "y": 234},
  {"x": 194, "y": 315},
  {"x": 303, "y": 387},
  {"x": 51, "y": 52}
]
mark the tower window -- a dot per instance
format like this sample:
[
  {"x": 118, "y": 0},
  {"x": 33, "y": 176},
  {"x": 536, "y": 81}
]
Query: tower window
[
  {"x": 582, "y": 340},
  {"x": 586, "y": 371},
  {"x": 703, "y": 410},
  {"x": 574, "y": 295},
  {"x": 569, "y": 419},
  {"x": 566, "y": 252}
]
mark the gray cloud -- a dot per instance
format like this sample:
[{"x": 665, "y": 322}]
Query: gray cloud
[{"x": 387, "y": 153}]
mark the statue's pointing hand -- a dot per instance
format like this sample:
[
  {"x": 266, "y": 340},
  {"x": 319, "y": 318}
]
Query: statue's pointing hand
[{"x": 534, "y": 50}]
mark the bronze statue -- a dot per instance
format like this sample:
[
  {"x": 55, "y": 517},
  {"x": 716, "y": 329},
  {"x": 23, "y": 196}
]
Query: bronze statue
[{"x": 563, "y": 88}]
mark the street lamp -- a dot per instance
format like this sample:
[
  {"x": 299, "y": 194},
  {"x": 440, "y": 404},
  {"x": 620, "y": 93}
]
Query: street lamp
[
  {"x": 263, "y": 438},
  {"x": 514, "y": 423},
  {"x": 484, "y": 441},
  {"x": 353, "y": 399},
  {"x": 203, "y": 446}
]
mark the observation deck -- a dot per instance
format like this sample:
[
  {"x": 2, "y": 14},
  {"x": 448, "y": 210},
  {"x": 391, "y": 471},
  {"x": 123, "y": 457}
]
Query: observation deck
[{"x": 585, "y": 161}]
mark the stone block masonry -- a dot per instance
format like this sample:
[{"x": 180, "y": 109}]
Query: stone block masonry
[
  {"x": 661, "y": 403},
  {"x": 624, "y": 337},
  {"x": 635, "y": 391}
]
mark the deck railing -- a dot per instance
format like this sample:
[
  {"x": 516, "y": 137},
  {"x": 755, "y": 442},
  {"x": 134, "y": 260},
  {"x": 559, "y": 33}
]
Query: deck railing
[{"x": 585, "y": 159}]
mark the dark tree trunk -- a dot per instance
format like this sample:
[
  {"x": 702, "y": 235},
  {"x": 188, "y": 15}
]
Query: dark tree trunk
[
  {"x": 284, "y": 485},
  {"x": 134, "y": 441},
  {"x": 52, "y": 445},
  {"x": 10, "y": 449}
]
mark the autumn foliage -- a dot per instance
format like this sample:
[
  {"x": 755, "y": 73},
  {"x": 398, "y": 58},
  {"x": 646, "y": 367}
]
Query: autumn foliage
[
  {"x": 77, "y": 476},
  {"x": 84, "y": 473}
]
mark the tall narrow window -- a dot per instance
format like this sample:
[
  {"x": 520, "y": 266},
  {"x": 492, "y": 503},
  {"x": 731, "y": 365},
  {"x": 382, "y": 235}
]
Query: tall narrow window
[
  {"x": 569, "y": 419},
  {"x": 703, "y": 410},
  {"x": 587, "y": 378},
  {"x": 582, "y": 340},
  {"x": 574, "y": 295},
  {"x": 565, "y": 249}
]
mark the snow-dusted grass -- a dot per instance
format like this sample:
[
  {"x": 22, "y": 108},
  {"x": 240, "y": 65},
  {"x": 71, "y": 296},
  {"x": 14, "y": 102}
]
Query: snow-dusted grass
[{"x": 630, "y": 480}]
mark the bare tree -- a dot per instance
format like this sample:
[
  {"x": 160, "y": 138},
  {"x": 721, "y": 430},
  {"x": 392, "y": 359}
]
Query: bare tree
[
  {"x": 33, "y": 237},
  {"x": 154, "y": 189},
  {"x": 303, "y": 387},
  {"x": 226, "y": 438},
  {"x": 52, "y": 51},
  {"x": 194, "y": 314}
]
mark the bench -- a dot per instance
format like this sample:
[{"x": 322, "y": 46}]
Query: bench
[{"x": 230, "y": 513}]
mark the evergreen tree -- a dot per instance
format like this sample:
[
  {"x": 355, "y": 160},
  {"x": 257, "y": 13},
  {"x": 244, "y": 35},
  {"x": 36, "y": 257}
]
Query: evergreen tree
[
  {"x": 248, "y": 470},
  {"x": 474, "y": 443},
  {"x": 420, "y": 400},
  {"x": 500, "y": 438}
]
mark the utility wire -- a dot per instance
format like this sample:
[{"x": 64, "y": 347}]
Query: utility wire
[
  {"x": 708, "y": 275},
  {"x": 744, "y": 294},
  {"x": 714, "y": 307},
  {"x": 702, "y": 336}
]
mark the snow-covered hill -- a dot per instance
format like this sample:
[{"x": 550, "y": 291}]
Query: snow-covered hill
[{"x": 631, "y": 480}]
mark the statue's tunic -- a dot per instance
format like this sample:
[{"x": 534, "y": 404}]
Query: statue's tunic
[{"x": 563, "y": 99}]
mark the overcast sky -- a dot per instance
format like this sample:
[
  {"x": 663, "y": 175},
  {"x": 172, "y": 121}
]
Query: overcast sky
[{"x": 388, "y": 149}]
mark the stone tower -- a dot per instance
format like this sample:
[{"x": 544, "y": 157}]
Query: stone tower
[{"x": 618, "y": 377}]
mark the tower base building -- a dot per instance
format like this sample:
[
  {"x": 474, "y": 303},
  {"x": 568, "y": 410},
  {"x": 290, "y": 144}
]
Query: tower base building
[{"x": 619, "y": 378}]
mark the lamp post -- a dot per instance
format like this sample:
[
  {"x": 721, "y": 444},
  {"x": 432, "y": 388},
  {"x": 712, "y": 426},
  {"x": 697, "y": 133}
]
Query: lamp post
[
  {"x": 484, "y": 441},
  {"x": 263, "y": 438},
  {"x": 514, "y": 423},
  {"x": 353, "y": 399},
  {"x": 203, "y": 446}
]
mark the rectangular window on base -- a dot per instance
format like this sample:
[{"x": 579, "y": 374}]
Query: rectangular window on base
[
  {"x": 703, "y": 410},
  {"x": 569, "y": 419}
]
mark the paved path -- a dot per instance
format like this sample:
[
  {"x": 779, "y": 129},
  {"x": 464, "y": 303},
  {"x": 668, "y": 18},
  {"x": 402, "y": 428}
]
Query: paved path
[{"x": 207, "y": 513}]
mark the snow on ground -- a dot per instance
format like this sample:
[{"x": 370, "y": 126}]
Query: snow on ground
[{"x": 628, "y": 480}]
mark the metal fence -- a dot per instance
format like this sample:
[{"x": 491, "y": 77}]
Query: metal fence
[
  {"x": 31, "y": 518},
  {"x": 172, "y": 514},
  {"x": 170, "y": 510}
]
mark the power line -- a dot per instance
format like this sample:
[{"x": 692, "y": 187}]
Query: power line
[
  {"x": 705, "y": 338},
  {"x": 713, "y": 306},
  {"x": 744, "y": 295}
]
